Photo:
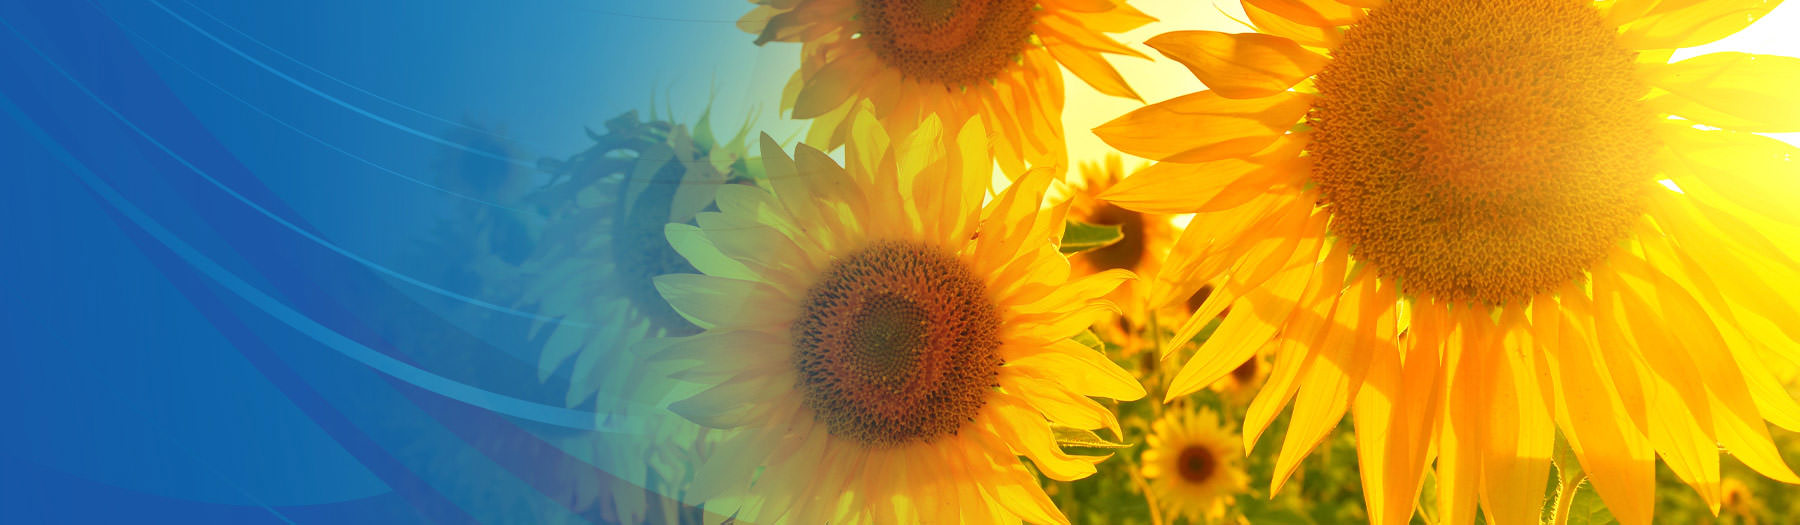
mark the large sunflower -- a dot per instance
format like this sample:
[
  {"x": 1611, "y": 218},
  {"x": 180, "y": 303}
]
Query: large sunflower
[
  {"x": 1480, "y": 222},
  {"x": 1195, "y": 465},
  {"x": 998, "y": 60},
  {"x": 881, "y": 346}
]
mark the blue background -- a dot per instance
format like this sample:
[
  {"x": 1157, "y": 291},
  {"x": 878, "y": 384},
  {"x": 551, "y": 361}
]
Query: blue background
[{"x": 223, "y": 297}]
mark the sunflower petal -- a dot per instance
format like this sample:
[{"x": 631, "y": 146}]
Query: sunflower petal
[
  {"x": 1245, "y": 65},
  {"x": 1234, "y": 127},
  {"x": 1731, "y": 90},
  {"x": 1519, "y": 436},
  {"x": 1615, "y": 455},
  {"x": 1317, "y": 13},
  {"x": 1698, "y": 22},
  {"x": 1090, "y": 67},
  {"x": 832, "y": 85}
]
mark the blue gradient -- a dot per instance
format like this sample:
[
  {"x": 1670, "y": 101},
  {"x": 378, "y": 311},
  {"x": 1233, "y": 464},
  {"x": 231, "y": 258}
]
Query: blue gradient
[{"x": 228, "y": 297}]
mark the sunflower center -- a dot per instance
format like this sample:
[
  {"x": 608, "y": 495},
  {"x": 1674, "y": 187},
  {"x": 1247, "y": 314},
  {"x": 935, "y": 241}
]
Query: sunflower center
[
  {"x": 1245, "y": 373},
  {"x": 1481, "y": 150},
  {"x": 953, "y": 42},
  {"x": 641, "y": 252},
  {"x": 1129, "y": 251},
  {"x": 897, "y": 343},
  {"x": 1196, "y": 464}
]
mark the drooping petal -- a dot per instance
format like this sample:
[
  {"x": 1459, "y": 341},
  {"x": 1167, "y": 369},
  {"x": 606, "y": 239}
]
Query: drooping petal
[
  {"x": 1234, "y": 127},
  {"x": 1244, "y": 65},
  {"x": 1318, "y": 13}
]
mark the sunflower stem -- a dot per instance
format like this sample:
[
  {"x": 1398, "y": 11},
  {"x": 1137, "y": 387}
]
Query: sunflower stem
[
  {"x": 1156, "y": 346},
  {"x": 1565, "y": 498},
  {"x": 1137, "y": 478}
]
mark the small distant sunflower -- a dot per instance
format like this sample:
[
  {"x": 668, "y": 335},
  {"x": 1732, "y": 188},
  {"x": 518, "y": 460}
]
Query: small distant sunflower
[
  {"x": 1737, "y": 500},
  {"x": 1144, "y": 243},
  {"x": 1242, "y": 383},
  {"x": 882, "y": 347},
  {"x": 1001, "y": 60},
  {"x": 1194, "y": 464},
  {"x": 1475, "y": 223}
]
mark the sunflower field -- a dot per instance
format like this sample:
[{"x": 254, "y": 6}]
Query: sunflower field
[{"x": 1352, "y": 261}]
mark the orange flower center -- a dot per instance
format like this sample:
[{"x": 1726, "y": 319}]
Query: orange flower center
[
  {"x": 1196, "y": 464},
  {"x": 640, "y": 251},
  {"x": 897, "y": 343},
  {"x": 1482, "y": 150},
  {"x": 1245, "y": 373},
  {"x": 952, "y": 42}
]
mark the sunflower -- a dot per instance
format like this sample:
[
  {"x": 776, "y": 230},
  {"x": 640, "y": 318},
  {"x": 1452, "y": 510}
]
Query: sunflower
[
  {"x": 1000, "y": 60},
  {"x": 880, "y": 346},
  {"x": 1240, "y": 386},
  {"x": 1194, "y": 464},
  {"x": 1738, "y": 501},
  {"x": 1144, "y": 242},
  {"x": 1480, "y": 222},
  {"x": 603, "y": 213}
]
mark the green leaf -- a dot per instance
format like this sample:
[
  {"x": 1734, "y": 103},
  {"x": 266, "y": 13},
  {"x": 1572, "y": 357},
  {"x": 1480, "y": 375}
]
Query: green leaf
[
  {"x": 1080, "y": 236},
  {"x": 1083, "y": 440},
  {"x": 1568, "y": 468},
  {"x": 1088, "y": 339},
  {"x": 1588, "y": 509}
]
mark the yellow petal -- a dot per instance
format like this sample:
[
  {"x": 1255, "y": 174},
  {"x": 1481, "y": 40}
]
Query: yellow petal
[
  {"x": 1177, "y": 188},
  {"x": 1233, "y": 127},
  {"x": 1078, "y": 368},
  {"x": 1020, "y": 426},
  {"x": 1268, "y": 22},
  {"x": 1318, "y": 13},
  {"x": 1091, "y": 68},
  {"x": 832, "y": 85},
  {"x": 1008, "y": 483},
  {"x": 1257, "y": 318},
  {"x": 1459, "y": 440},
  {"x": 1692, "y": 25},
  {"x": 1400, "y": 404},
  {"x": 1731, "y": 90},
  {"x": 1757, "y": 173},
  {"x": 1245, "y": 65},
  {"x": 711, "y": 302},
  {"x": 1614, "y": 454},
  {"x": 1519, "y": 433}
]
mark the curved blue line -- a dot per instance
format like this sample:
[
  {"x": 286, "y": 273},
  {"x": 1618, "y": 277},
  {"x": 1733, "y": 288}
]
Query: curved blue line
[
  {"x": 440, "y": 385},
  {"x": 340, "y": 102},
  {"x": 309, "y": 67},
  {"x": 253, "y": 107},
  {"x": 264, "y": 211}
]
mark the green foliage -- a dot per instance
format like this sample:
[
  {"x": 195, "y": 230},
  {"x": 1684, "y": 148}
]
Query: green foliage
[
  {"x": 1588, "y": 509},
  {"x": 1080, "y": 236},
  {"x": 1084, "y": 442}
]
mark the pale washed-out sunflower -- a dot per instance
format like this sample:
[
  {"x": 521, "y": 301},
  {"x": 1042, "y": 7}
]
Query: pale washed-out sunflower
[
  {"x": 1143, "y": 243},
  {"x": 1475, "y": 223},
  {"x": 1194, "y": 464},
  {"x": 998, "y": 60},
  {"x": 880, "y": 346},
  {"x": 604, "y": 211}
]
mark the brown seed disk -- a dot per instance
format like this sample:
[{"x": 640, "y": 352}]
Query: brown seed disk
[
  {"x": 951, "y": 42},
  {"x": 897, "y": 343},
  {"x": 1482, "y": 150},
  {"x": 1196, "y": 464}
]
